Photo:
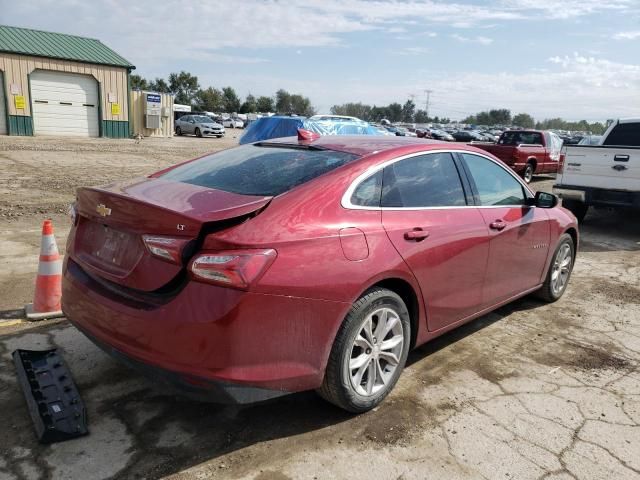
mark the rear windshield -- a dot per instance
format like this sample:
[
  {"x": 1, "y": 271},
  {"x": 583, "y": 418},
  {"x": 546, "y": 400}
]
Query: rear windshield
[
  {"x": 518, "y": 138},
  {"x": 259, "y": 169}
]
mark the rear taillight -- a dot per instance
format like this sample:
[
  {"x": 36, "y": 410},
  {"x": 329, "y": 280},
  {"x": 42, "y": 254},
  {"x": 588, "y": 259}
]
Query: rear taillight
[
  {"x": 72, "y": 211},
  {"x": 165, "y": 248},
  {"x": 233, "y": 268}
]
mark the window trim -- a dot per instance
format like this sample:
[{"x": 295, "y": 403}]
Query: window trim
[{"x": 345, "y": 202}]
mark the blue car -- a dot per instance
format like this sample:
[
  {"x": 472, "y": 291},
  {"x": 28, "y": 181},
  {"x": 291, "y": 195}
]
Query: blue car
[{"x": 266, "y": 128}]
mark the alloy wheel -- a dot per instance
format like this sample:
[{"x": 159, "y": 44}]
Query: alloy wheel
[
  {"x": 561, "y": 269},
  {"x": 376, "y": 352}
]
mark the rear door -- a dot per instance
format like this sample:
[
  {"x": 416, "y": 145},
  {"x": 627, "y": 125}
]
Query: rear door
[
  {"x": 615, "y": 168},
  {"x": 519, "y": 234},
  {"x": 426, "y": 215}
]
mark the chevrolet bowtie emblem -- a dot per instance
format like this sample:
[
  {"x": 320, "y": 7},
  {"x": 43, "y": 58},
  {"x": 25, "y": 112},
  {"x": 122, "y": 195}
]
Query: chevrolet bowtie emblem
[{"x": 103, "y": 210}]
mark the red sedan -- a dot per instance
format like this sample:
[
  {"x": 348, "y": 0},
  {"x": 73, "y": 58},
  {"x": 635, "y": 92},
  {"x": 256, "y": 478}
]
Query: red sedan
[{"x": 292, "y": 264}]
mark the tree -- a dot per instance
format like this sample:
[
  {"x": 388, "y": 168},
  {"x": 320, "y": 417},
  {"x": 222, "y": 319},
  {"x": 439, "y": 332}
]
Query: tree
[
  {"x": 231, "y": 100},
  {"x": 499, "y": 117},
  {"x": 210, "y": 100},
  {"x": 138, "y": 83},
  {"x": 249, "y": 105},
  {"x": 184, "y": 86},
  {"x": 301, "y": 105},
  {"x": 408, "y": 111},
  {"x": 283, "y": 102},
  {"x": 422, "y": 117},
  {"x": 264, "y": 104},
  {"x": 358, "y": 110},
  {"x": 524, "y": 120},
  {"x": 159, "y": 85},
  {"x": 394, "y": 112}
]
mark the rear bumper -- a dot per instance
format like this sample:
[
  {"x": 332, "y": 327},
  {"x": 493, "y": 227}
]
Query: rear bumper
[
  {"x": 599, "y": 196},
  {"x": 240, "y": 346}
]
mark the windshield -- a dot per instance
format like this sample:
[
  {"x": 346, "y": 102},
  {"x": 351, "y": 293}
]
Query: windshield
[
  {"x": 202, "y": 119},
  {"x": 262, "y": 170}
]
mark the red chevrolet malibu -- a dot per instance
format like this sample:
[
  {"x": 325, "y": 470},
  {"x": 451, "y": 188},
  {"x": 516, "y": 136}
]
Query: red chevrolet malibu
[{"x": 291, "y": 264}]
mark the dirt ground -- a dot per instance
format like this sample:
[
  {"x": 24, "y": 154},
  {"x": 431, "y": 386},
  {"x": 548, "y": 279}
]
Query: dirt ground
[{"x": 530, "y": 391}]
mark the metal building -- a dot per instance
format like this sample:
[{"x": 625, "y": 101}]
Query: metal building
[{"x": 58, "y": 84}]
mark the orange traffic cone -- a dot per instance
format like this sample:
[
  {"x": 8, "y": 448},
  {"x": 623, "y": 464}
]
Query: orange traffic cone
[{"x": 46, "y": 301}]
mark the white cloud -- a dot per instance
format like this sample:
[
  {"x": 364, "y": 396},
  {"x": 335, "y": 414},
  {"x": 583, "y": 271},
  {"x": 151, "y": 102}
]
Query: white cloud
[
  {"x": 627, "y": 35},
  {"x": 479, "y": 39},
  {"x": 412, "y": 51}
]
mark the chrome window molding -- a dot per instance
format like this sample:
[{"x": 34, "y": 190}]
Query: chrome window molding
[{"x": 346, "y": 197}]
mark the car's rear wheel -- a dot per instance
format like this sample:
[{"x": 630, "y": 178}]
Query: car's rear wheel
[
  {"x": 369, "y": 352},
  {"x": 559, "y": 271},
  {"x": 528, "y": 173},
  {"x": 178, "y": 131},
  {"x": 579, "y": 209},
  {"x": 198, "y": 133}
]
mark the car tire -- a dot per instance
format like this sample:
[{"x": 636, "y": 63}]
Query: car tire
[
  {"x": 579, "y": 209},
  {"x": 198, "y": 133},
  {"x": 560, "y": 270},
  {"x": 361, "y": 372},
  {"x": 178, "y": 131},
  {"x": 527, "y": 175}
]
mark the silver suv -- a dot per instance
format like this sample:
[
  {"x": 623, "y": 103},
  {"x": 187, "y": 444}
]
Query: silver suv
[{"x": 198, "y": 125}]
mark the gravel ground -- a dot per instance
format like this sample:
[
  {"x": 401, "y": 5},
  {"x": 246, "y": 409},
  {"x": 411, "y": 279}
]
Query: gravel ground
[{"x": 529, "y": 391}]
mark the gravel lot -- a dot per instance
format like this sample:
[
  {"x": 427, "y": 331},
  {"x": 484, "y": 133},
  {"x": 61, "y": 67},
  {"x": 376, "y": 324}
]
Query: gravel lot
[{"x": 529, "y": 391}]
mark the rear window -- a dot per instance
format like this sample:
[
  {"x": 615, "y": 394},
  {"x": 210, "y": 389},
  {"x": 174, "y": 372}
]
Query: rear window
[
  {"x": 624, "y": 134},
  {"x": 519, "y": 138},
  {"x": 259, "y": 169}
]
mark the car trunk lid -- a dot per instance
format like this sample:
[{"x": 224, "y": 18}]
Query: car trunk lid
[{"x": 114, "y": 220}]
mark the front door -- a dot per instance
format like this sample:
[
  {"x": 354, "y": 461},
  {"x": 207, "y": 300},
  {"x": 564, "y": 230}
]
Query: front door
[
  {"x": 443, "y": 240},
  {"x": 519, "y": 233}
]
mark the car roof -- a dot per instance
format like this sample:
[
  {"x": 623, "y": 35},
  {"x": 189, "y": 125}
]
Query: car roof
[{"x": 362, "y": 145}]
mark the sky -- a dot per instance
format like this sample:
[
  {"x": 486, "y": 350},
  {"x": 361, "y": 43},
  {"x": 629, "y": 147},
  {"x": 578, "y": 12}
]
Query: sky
[{"x": 576, "y": 59}]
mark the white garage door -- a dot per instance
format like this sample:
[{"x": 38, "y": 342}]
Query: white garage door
[
  {"x": 64, "y": 104},
  {"x": 3, "y": 113}
]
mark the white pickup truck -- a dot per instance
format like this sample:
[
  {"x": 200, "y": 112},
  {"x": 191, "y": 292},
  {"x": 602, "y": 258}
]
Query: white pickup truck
[{"x": 604, "y": 175}]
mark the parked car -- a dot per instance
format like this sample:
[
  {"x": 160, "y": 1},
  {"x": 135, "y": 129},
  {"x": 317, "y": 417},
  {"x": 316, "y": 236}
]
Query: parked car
[
  {"x": 466, "y": 136},
  {"x": 198, "y": 125},
  {"x": 266, "y": 128},
  {"x": 233, "y": 123},
  {"x": 590, "y": 140},
  {"x": 604, "y": 175},
  {"x": 441, "y": 135},
  {"x": 528, "y": 152},
  {"x": 291, "y": 265}
]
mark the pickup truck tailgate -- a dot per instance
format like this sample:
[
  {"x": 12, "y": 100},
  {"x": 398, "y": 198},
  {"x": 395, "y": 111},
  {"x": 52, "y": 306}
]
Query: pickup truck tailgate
[{"x": 615, "y": 168}]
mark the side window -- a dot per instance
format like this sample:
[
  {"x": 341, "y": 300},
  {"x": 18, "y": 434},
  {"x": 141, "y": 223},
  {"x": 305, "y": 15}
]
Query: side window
[
  {"x": 367, "y": 194},
  {"x": 494, "y": 184},
  {"x": 536, "y": 138},
  {"x": 624, "y": 134},
  {"x": 430, "y": 180}
]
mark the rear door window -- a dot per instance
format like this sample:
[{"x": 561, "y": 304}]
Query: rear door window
[
  {"x": 494, "y": 185},
  {"x": 259, "y": 169},
  {"x": 430, "y": 180},
  {"x": 624, "y": 134}
]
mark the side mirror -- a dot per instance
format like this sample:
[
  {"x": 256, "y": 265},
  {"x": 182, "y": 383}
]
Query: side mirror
[{"x": 544, "y": 200}]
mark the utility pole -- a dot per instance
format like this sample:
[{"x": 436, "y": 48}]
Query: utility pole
[{"x": 426, "y": 103}]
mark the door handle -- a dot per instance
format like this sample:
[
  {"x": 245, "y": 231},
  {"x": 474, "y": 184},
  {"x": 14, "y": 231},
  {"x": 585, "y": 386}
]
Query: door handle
[
  {"x": 417, "y": 234},
  {"x": 621, "y": 158},
  {"x": 498, "y": 225}
]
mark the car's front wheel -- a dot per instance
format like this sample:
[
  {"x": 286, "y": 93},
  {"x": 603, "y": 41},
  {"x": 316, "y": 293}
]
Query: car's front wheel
[
  {"x": 369, "y": 352},
  {"x": 559, "y": 271},
  {"x": 198, "y": 133}
]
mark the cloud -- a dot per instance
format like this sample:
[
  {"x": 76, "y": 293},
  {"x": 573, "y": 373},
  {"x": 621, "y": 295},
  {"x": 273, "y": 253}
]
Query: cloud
[
  {"x": 479, "y": 39},
  {"x": 412, "y": 51},
  {"x": 627, "y": 35}
]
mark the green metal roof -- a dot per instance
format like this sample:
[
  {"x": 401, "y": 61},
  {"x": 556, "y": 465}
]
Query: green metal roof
[{"x": 25, "y": 41}]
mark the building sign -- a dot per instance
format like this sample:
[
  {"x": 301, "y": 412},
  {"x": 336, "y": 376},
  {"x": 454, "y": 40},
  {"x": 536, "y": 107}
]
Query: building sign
[
  {"x": 115, "y": 109},
  {"x": 153, "y": 106},
  {"x": 20, "y": 102},
  {"x": 15, "y": 89}
]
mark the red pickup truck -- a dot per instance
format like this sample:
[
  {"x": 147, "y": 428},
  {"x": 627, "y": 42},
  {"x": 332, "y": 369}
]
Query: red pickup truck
[{"x": 527, "y": 151}]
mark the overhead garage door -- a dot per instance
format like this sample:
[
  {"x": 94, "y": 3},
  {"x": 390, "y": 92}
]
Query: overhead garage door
[
  {"x": 3, "y": 113},
  {"x": 64, "y": 104}
]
